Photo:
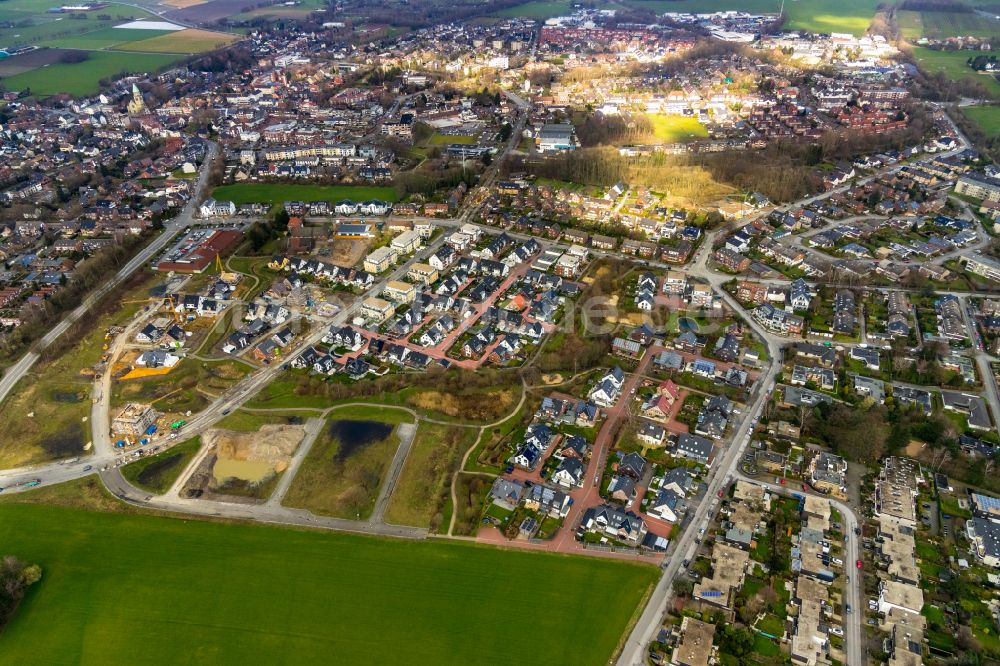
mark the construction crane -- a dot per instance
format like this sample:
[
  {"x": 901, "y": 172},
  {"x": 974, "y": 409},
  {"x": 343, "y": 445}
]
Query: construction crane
[{"x": 218, "y": 263}]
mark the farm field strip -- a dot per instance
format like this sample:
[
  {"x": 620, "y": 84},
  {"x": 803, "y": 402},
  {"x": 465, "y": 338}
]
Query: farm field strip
[{"x": 348, "y": 598}]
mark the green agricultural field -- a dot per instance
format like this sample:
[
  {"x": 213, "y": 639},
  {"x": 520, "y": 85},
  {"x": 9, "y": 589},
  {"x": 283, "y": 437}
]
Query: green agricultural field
[
  {"x": 158, "y": 472},
  {"x": 126, "y": 589},
  {"x": 83, "y": 78},
  {"x": 102, "y": 39},
  {"x": 538, "y": 9},
  {"x": 940, "y": 25},
  {"x": 853, "y": 16},
  {"x": 986, "y": 117},
  {"x": 675, "y": 129},
  {"x": 277, "y": 193},
  {"x": 953, "y": 64},
  {"x": 32, "y": 24}
]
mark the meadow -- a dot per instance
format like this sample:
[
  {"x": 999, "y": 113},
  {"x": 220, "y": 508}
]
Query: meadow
[
  {"x": 953, "y": 64},
  {"x": 242, "y": 193},
  {"x": 346, "y": 466},
  {"x": 158, "y": 472},
  {"x": 425, "y": 482},
  {"x": 939, "y": 25},
  {"x": 130, "y": 589},
  {"x": 987, "y": 117},
  {"x": 83, "y": 78}
]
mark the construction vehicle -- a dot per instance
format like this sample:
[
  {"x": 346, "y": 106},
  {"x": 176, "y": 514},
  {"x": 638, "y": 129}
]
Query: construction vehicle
[{"x": 173, "y": 310}]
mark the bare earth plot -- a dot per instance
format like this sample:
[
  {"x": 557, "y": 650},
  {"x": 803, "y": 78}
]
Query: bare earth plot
[
  {"x": 208, "y": 12},
  {"x": 191, "y": 40},
  {"x": 32, "y": 60}
]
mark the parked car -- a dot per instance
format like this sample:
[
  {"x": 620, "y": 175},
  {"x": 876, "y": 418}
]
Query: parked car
[
  {"x": 858, "y": 564},
  {"x": 836, "y": 631}
]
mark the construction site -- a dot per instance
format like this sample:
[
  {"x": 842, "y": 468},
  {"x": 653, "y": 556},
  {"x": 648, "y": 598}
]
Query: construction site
[{"x": 243, "y": 466}]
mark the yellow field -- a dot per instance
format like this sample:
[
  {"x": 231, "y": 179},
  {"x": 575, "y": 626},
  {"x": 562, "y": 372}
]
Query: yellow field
[{"x": 191, "y": 40}]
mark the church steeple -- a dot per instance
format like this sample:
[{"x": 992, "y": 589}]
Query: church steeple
[{"x": 138, "y": 105}]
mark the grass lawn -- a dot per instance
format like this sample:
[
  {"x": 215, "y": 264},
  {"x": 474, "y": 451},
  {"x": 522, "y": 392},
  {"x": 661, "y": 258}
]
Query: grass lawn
[
  {"x": 765, "y": 647},
  {"x": 157, "y": 473},
  {"x": 949, "y": 505},
  {"x": 192, "y": 592},
  {"x": 986, "y": 117},
  {"x": 424, "y": 485},
  {"x": 952, "y": 63},
  {"x": 82, "y": 78},
  {"x": 341, "y": 477},
  {"x": 277, "y": 193},
  {"x": 770, "y": 624},
  {"x": 674, "y": 129}
]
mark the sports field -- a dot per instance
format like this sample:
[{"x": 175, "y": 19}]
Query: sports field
[
  {"x": 953, "y": 64},
  {"x": 987, "y": 117},
  {"x": 128, "y": 589},
  {"x": 242, "y": 193},
  {"x": 83, "y": 78},
  {"x": 672, "y": 129},
  {"x": 448, "y": 139}
]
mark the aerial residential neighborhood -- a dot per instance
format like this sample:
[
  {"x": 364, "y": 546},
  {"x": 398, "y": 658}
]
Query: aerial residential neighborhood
[{"x": 542, "y": 332}]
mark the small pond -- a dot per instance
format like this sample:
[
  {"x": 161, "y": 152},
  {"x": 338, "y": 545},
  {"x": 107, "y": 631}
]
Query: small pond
[{"x": 355, "y": 435}]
